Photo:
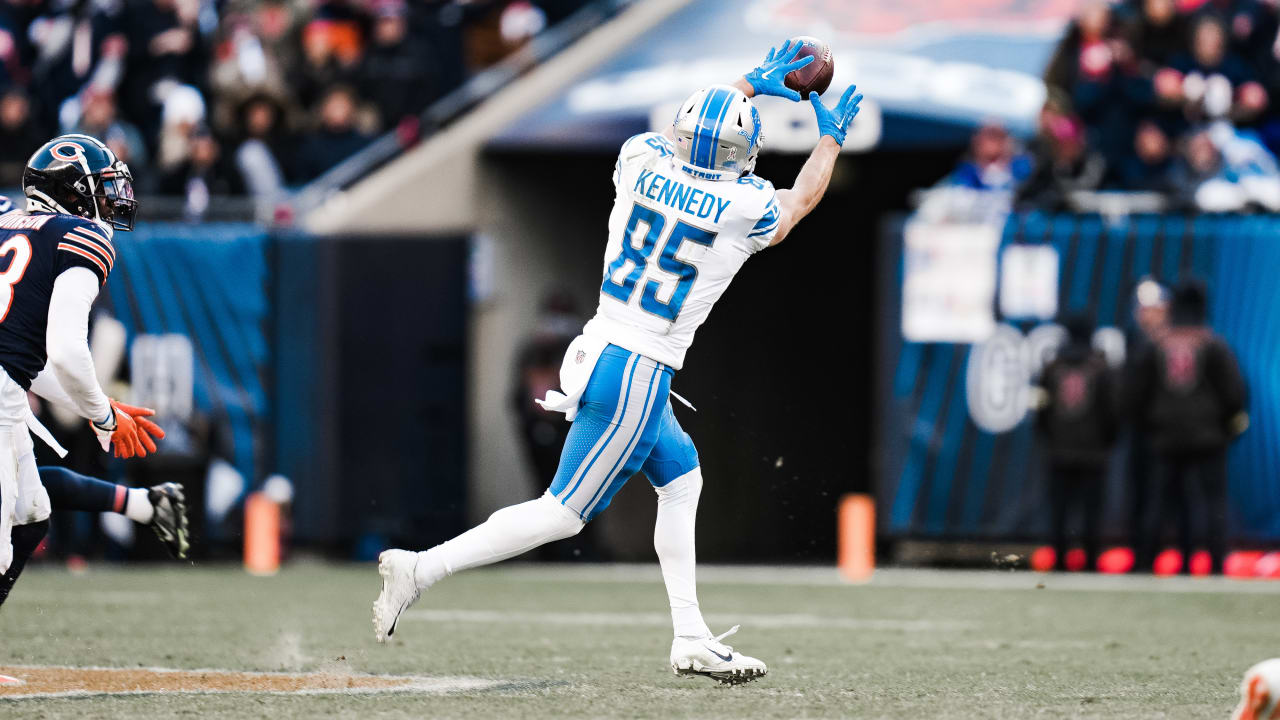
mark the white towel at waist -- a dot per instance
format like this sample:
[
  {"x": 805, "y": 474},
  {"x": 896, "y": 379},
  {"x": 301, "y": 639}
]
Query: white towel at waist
[
  {"x": 575, "y": 372},
  {"x": 42, "y": 432}
]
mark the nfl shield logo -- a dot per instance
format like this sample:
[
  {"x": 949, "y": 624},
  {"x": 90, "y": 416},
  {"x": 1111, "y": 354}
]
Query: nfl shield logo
[{"x": 581, "y": 356}]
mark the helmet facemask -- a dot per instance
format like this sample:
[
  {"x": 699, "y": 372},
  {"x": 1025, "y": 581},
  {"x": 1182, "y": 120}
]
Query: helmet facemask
[
  {"x": 114, "y": 196},
  {"x": 106, "y": 197}
]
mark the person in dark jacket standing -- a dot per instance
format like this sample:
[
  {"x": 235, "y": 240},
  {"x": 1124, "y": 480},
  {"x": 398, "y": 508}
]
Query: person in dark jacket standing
[
  {"x": 1078, "y": 424},
  {"x": 1151, "y": 318},
  {"x": 1189, "y": 398}
]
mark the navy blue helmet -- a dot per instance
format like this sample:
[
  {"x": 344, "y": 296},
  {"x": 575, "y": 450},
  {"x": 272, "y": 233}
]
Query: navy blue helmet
[{"x": 78, "y": 175}]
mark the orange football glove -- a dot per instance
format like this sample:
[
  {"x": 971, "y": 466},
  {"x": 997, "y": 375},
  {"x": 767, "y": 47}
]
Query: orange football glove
[
  {"x": 131, "y": 434},
  {"x": 146, "y": 428}
]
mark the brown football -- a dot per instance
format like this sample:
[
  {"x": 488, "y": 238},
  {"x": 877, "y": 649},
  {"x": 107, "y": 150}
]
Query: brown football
[{"x": 816, "y": 76}]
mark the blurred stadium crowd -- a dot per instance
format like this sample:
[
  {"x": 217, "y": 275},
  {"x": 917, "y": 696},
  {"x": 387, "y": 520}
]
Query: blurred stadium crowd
[
  {"x": 209, "y": 97},
  {"x": 1178, "y": 99}
]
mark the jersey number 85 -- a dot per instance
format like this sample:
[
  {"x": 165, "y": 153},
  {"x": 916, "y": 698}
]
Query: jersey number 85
[{"x": 639, "y": 258}]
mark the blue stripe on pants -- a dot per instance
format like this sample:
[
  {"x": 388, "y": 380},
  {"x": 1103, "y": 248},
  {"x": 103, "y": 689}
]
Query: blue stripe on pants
[{"x": 618, "y": 422}]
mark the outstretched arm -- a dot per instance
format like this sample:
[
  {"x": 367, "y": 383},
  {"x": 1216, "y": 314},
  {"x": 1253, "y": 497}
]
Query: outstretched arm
[{"x": 811, "y": 184}]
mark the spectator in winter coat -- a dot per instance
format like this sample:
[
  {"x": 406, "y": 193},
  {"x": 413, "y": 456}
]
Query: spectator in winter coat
[
  {"x": 1064, "y": 164},
  {"x": 397, "y": 69},
  {"x": 1150, "y": 166},
  {"x": 76, "y": 46},
  {"x": 1156, "y": 32},
  {"x": 165, "y": 49},
  {"x": 260, "y": 157},
  {"x": 1204, "y": 180},
  {"x": 336, "y": 138},
  {"x": 992, "y": 163},
  {"x": 1078, "y": 425},
  {"x": 20, "y": 135},
  {"x": 1215, "y": 82},
  {"x": 1189, "y": 398},
  {"x": 1251, "y": 28}
]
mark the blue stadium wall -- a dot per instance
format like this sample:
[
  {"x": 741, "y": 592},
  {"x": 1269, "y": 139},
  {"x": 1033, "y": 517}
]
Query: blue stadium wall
[
  {"x": 340, "y": 364},
  {"x": 939, "y": 476},
  {"x": 210, "y": 283}
]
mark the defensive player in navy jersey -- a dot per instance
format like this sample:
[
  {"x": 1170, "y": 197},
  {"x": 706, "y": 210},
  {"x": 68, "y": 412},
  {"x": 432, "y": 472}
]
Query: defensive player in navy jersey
[
  {"x": 54, "y": 258},
  {"x": 161, "y": 507}
]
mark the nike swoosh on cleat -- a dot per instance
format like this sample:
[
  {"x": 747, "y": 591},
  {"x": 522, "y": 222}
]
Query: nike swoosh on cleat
[{"x": 726, "y": 658}]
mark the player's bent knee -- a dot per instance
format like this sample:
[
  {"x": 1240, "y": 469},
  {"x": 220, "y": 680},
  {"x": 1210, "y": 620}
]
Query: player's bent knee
[
  {"x": 539, "y": 521},
  {"x": 564, "y": 522},
  {"x": 685, "y": 485},
  {"x": 677, "y": 503}
]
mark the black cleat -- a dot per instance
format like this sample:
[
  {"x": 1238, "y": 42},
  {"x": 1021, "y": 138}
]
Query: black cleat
[{"x": 170, "y": 519}]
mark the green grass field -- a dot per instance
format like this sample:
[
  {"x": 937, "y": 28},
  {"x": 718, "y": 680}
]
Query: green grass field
[{"x": 592, "y": 642}]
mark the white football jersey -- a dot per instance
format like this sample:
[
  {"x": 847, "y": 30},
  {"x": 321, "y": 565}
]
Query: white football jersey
[{"x": 675, "y": 243}]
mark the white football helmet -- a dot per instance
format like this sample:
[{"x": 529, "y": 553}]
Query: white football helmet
[
  {"x": 718, "y": 133},
  {"x": 1259, "y": 692}
]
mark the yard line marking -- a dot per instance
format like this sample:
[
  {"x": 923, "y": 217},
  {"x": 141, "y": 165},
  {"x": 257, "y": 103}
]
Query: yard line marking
[
  {"x": 46, "y": 681},
  {"x": 645, "y": 619}
]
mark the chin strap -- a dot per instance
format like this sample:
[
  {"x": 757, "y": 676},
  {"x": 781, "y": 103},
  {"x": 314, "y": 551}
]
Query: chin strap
[
  {"x": 44, "y": 203},
  {"x": 35, "y": 204}
]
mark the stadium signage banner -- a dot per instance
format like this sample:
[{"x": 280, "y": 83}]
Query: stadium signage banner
[
  {"x": 1029, "y": 282},
  {"x": 949, "y": 282}
]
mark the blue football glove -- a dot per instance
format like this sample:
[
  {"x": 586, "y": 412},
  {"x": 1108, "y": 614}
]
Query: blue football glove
[
  {"x": 836, "y": 121},
  {"x": 768, "y": 79}
]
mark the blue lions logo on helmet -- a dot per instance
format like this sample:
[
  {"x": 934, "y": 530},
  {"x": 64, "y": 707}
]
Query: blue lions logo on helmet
[{"x": 753, "y": 137}]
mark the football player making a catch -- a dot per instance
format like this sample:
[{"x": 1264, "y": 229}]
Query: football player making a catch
[{"x": 688, "y": 213}]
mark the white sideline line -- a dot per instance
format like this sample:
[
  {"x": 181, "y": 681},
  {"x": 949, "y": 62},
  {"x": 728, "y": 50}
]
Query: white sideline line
[
  {"x": 826, "y": 576},
  {"x": 643, "y": 619}
]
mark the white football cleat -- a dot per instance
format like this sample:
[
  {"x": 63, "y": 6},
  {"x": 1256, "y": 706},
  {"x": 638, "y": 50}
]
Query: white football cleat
[
  {"x": 714, "y": 659},
  {"x": 399, "y": 590}
]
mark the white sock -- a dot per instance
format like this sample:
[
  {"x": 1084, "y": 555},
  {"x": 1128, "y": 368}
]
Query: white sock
[
  {"x": 508, "y": 532},
  {"x": 673, "y": 538},
  {"x": 137, "y": 507}
]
